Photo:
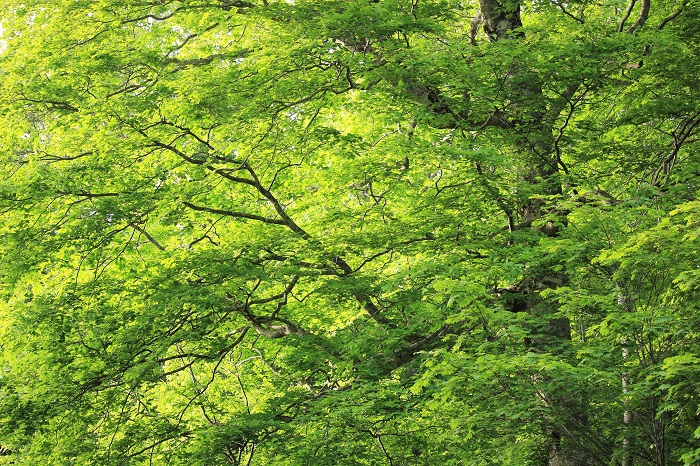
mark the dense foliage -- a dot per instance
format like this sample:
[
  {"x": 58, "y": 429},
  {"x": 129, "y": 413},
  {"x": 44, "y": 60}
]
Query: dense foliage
[{"x": 358, "y": 232}]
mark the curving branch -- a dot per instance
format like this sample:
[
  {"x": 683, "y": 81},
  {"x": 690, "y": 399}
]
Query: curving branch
[
  {"x": 624, "y": 19},
  {"x": 427, "y": 237},
  {"x": 642, "y": 18},
  {"x": 152, "y": 17}
]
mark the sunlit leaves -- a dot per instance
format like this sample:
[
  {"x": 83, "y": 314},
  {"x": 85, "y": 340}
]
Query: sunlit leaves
[{"x": 303, "y": 233}]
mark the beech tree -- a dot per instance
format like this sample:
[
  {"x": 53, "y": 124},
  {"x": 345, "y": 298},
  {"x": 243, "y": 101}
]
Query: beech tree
[{"x": 349, "y": 232}]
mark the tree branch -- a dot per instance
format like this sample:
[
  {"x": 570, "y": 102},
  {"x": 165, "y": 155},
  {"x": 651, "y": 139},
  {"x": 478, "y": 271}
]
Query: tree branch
[
  {"x": 148, "y": 237},
  {"x": 86, "y": 194},
  {"x": 427, "y": 237},
  {"x": 642, "y": 18},
  {"x": 179, "y": 153},
  {"x": 624, "y": 19},
  {"x": 235, "y": 214},
  {"x": 566, "y": 12},
  {"x": 672, "y": 15}
]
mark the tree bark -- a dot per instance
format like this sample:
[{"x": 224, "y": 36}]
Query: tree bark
[{"x": 501, "y": 19}]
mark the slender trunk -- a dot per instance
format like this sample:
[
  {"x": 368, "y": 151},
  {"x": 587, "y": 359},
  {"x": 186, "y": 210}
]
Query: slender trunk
[
  {"x": 626, "y": 417},
  {"x": 624, "y": 301}
]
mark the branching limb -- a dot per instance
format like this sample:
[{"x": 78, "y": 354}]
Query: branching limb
[
  {"x": 221, "y": 172},
  {"x": 262, "y": 324},
  {"x": 206, "y": 235},
  {"x": 281, "y": 296},
  {"x": 560, "y": 132},
  {"x": 680, "y": 138},
  {"x": 279, "y": 208}
]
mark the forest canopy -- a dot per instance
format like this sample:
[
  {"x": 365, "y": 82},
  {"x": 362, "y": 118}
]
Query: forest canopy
[{"x": 358, "y": 232}]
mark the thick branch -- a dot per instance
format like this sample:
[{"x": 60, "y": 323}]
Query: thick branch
[
  {"x": 474, "y": 28},
  {"x": 262, "y": 324},
  {"x": 642, "y": 18},
  {"x": 230, "y": 213},
  {"x": 87, "y": 194}
]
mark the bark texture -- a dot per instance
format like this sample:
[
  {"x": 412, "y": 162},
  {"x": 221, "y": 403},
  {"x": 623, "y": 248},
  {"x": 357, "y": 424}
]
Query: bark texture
[{"x": 501, "y": 19}]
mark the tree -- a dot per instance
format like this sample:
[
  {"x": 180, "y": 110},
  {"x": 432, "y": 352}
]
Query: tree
[{"x": 398, "y": 232}]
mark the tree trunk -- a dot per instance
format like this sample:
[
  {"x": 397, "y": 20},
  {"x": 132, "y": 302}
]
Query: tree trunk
[{"x": 501, "y": 21}]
